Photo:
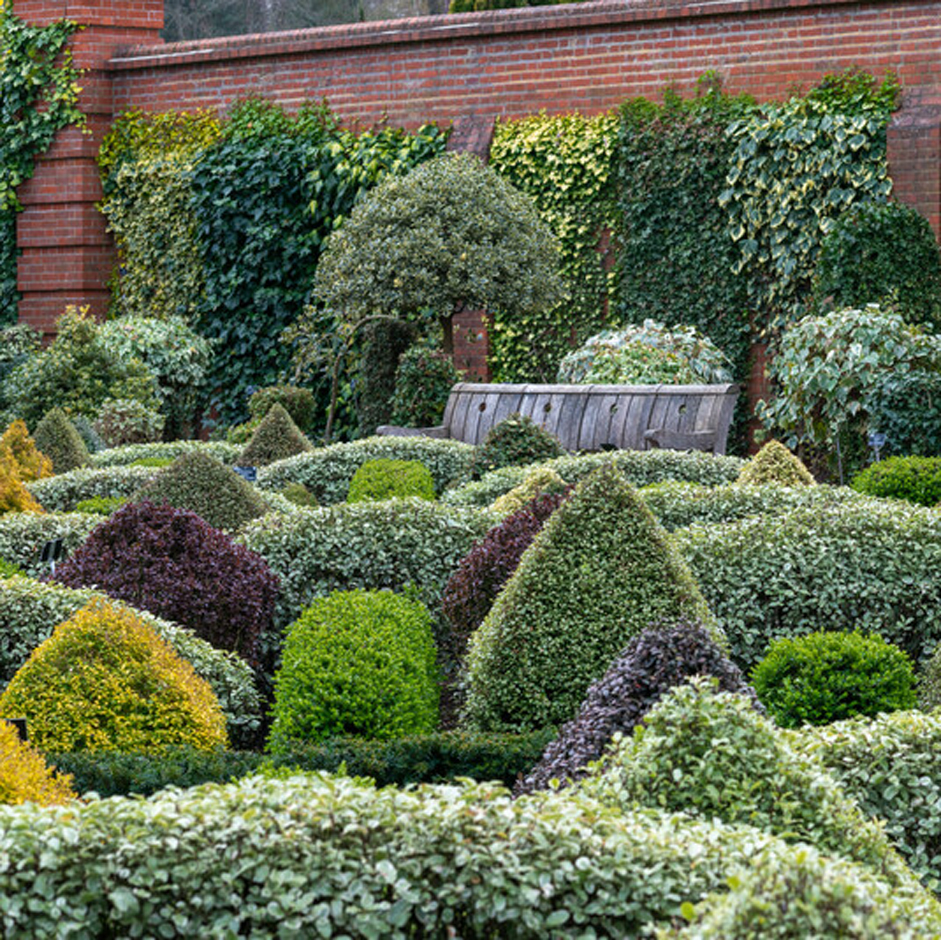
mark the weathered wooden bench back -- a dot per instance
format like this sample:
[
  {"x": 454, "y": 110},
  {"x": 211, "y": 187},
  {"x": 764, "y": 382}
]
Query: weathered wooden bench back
[{"x": 594, "y": 417}]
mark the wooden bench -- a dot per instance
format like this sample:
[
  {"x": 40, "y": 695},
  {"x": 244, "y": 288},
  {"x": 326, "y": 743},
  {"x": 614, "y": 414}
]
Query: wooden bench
[{"x": 593, "y": 417}]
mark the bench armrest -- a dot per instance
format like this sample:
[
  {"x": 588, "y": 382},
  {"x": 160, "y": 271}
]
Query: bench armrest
[{"x": 393, "y": 430}]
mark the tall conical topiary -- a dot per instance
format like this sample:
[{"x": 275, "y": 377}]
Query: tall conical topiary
[
  {"x": 274, "y": 439},
  {"x": 203, "y": 485},
  {"x": 774, "y": 463},
  {"x": 57, "y": 438},
  {"x": 600, "y": 571}
]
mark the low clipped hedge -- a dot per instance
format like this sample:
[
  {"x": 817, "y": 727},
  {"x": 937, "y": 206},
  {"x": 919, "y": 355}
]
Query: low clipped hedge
[
  {"x": 441, "y": 757},
  {"x": 891, "y": 765},
  {"x": 390, "y": 544},
  {"x": 321, "y": 856},
  {"x": 63, "y": 492},
  {"x": 640, "y": 468},
  {"x": 164, "y": 450},
  {"x": 327, "y": 471},
  {"x": 677, "y": 505},
  {"x": 873, "y": 566},
  {"x": 30, "y": 611},
  {"x": 23, "y": 534}
]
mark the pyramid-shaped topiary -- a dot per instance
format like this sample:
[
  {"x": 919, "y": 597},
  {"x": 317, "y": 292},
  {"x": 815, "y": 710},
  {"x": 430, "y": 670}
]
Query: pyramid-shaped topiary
[
  {"x": 274, "y": 439},
  {"x": 203, "y": 485},
  {"x": 600, "y": 571},
  {"x": 57, "y": 438},
  {"x": 774, "y": 463},
  {"x": 24, "y": 774},
  {"x": 31, "y": 462}
]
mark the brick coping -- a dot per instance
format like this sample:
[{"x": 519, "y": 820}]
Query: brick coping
[{"x": 602, "y": 13}]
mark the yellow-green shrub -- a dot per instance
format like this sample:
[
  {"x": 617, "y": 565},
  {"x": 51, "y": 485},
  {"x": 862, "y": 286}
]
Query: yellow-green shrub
[
  {"x": 774, "y": 463},
  {"x": 24, "y": 774},
  {"x": 14, "y": 497},
  {"x": 542, "y": 480},
  {"x": 32, "y": 464},
  {"x": 104, "y": 680}
]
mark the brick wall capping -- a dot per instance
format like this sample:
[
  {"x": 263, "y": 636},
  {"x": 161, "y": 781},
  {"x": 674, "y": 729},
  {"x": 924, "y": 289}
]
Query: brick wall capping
[{"x": 443, "y": 28}]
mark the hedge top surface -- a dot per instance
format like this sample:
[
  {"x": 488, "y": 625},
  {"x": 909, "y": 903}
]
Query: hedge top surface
[{"x": 600, "y": 571}]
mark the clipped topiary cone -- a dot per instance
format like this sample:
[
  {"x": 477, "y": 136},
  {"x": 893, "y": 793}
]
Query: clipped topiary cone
[
  {"x": 31, "y": 463},
  {"x": 203, "y": 485},
  {"x": 774, "y": 463},
  {"x": 57, "y": 438},
  {"x": 600, "y": 571},
  {"x": 276, "y": 438},
  {"x": 104, "y": 681}
]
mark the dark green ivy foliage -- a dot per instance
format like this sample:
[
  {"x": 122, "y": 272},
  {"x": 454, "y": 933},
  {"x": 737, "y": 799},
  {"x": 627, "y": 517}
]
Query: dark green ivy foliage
[
  {"x": 38, "y": 94},
  {"x": 674, "y": 256},
  {"x": 265, "y": 196}
]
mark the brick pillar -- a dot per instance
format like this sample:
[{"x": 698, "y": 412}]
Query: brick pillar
[
  {"x": 471, "y": 345},
  {"x": 67, "y": 255},
  {"x": 914, "y": 152}
]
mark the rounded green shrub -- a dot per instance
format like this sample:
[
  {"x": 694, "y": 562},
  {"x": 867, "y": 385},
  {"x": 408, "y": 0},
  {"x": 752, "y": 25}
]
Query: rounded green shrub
[
  {"x": 515, "y": 441},
  {"x": 829, "y": 676},
  {"x": 327, "y": 471},
  {"x": 298, "y": 494},
  {"x": 104, "y": 680},
  {"x": 870, "y": 565},
  {"x": 598, "y": 573},
  {"x": 156, "y": 462},
  {"x": 881, "y": 251},
  {"x": 915, "y": 479},
  {"x": 275, "y": 438},
  {"x": 56, "y": 437},
  {"x": 774, "y": 463},
  {"x": 391, "y": 479},
  {"x": 358, "y": 663},
  {"x": 213, "y": 491},
  {"x": 8, "y": 569}
]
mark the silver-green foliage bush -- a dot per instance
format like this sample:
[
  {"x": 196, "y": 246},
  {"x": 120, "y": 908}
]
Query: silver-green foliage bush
[
  {"x": 122, "y": 456},
  {"x": 23, "y": 534},
  {"x": 30, "y": 610},
  {"x": 327, "y": 471},
  {"x": 871, "y": 565},
  {"x": 710, "y": 754},
  {"x": 320, "y": 856},
  {"x": 677, "y": 505},
  {"x": 639, "y": 467},
  {"x": 359, "y": 664},
  {"x": 62, "y": 492},
  {"x": 599, "y": 572},
  {"x": 364, "y": 545},
  {"x": 891, "y": 765}
]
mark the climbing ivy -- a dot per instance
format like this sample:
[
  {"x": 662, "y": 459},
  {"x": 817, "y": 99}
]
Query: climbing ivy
[
  {"x": 795, "y": 168},
  {"x": 565, "y": 164},
  {"x": 674, "y": 254},
  {"x": 38, "y": 97}
]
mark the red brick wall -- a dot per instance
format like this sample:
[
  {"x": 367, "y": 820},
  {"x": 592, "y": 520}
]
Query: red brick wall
[{"x": 469, "y": 69}]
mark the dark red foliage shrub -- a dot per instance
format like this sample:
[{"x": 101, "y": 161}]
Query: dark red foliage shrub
[
  {"x": 472, "y": 589},
  {"x": 174, "y": 564},
  {"x": 655, "y": 661}
]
